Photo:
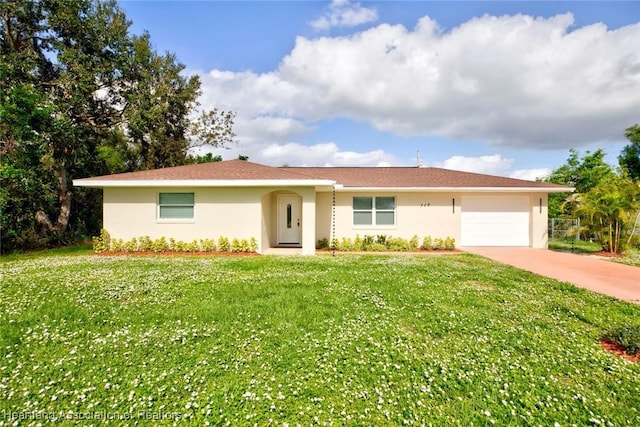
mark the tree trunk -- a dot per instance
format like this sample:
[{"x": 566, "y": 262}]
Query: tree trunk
[
  {"x": 64, "y": 197},
  {"x": 633, "y": 229}
]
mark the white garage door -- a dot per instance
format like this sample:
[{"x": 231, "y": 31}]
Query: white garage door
[{"x": 495, "y": 221}]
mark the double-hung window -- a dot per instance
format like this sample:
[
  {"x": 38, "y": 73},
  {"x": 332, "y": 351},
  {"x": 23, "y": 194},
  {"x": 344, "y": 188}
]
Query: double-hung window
[
  {"x": 374, "y": 210},
  {"x": 176, "y": 205}
]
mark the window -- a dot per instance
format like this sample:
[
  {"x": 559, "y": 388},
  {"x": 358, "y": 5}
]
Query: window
[
  {"x": 175, "y": 205},
  {"x": 374, "y": 211}
]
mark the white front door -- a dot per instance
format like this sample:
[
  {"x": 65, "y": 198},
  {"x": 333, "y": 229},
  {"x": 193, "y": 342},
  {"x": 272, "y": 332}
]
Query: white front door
[{"x": 289, "y": 220}]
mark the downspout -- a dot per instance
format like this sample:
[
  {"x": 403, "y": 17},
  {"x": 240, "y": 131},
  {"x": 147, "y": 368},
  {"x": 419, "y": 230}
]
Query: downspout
[{"x": 333, "y": 221}]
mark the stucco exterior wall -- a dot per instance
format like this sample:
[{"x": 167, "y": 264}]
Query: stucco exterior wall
[
  {"x": 419, "y": 214},
  {"x": 240, "y": 213},
  {"x": 252, "y": 212},
  {"x": 539, "y": 221},
  {"x": 423, "y": 214},
  {"x": 132, "y": 212}
]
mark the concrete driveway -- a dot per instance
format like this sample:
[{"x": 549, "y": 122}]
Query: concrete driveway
[{"x": 598, "y": 275}]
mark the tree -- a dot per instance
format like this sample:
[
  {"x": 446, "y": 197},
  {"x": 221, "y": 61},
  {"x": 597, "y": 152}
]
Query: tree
[
  {"x": 629, "y": 158},
  {"x": 581, "y": 173},
  {"x": 609, "y": 211},
  {"x": 205, "y": 158},
  {"x": 80, "y": 96}
]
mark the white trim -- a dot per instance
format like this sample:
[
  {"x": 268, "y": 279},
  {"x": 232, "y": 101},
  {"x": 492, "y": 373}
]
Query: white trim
[
  {"x": 87, "y": 182},
  {"x": 374, "y": 211},
  {"x": 455, "y": 189},
  {"x": 161, "y": 220},
  {"x": 327, "y": 185}
]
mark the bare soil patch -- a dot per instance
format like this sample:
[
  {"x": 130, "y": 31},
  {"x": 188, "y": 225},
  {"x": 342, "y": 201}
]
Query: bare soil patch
[{"x": 617, "y": 349}]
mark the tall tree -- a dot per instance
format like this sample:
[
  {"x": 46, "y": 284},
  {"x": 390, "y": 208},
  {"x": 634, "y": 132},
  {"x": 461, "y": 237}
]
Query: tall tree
[
  {"x": 629, "y": 158},
  {"x": 581, "y": 173},
  {"x": 80, "y": 96},
  {"x": 609, "y": 211}
]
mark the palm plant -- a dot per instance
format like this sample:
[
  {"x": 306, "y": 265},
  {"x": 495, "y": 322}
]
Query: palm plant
[{"x": 609, "y": 211}]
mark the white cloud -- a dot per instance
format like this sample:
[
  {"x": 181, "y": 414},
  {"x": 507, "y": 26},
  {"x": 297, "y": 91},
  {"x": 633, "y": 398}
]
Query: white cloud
[
  {"x": 342, "y": 13},
  {"x": 494, "y": 164},
  {"x": 294, "y": 154},
  {"x": 491, "y": 165},
  {"x": 531, "y": 174},
  {"x": 515, "y": 81},
  {"x": 326, "y": 154}
]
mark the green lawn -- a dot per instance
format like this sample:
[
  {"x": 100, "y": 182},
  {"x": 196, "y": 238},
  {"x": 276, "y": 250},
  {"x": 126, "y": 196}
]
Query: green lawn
[
  {"x": 630, "y": 257},
  {"x": 355, "y": 340}
]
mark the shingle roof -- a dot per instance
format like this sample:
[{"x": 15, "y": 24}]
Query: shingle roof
[
  {"x": 227, "y": 170},
  {"x": 409, "y": 177},
  {"x": 378, "y": 177}
]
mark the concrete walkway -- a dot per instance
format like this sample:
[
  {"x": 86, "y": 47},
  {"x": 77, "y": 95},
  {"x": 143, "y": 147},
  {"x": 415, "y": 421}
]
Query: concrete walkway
[{"x": 598, "y": 275}]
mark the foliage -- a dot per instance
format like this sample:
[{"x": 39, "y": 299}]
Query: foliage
[
  {"x": 204, "y": 158},
  {"x": 223, "y": 244},
  {"x": 81, "y": 96},
  {"x": 323, "y": 244},
  {"x": 629, "y": 158},
  {"x": 347, "y": 340},
  {"x": 384, "y": 243},
  {"x": 581, "y": 173},
  {"x": 427, "y": 243},
  {"x": 104, "y": 243},
  {"x": 609, "y": 211},
  {"x": 628, "y": 336},
  {"x": 208, "y": 245}
]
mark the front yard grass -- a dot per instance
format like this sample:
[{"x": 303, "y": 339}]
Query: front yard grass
[
  {"x": 351, "y": 339},
  {"x": 630, "y": 257}
]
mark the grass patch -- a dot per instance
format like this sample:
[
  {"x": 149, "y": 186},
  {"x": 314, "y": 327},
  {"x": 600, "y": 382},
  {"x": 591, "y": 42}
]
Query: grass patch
[
  {"x": 630, "y": 257},
  {"x": 355, "y": 339},
  {"x": 573, "y": 245},
  {"x": 81, "y": 249}
]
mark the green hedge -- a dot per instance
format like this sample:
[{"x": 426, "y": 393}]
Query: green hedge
[
  {"x": 384, "y": 243},
  {"x": 104, "y": 243}
]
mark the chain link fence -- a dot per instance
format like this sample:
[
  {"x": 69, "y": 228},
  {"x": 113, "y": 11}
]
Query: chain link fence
[{"x": 563, "y": 228}]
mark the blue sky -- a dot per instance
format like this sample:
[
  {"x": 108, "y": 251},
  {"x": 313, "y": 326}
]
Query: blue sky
[{"x": 494, "y": 87}]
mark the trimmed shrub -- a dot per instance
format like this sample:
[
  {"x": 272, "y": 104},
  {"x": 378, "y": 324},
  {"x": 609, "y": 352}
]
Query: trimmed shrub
[
  {"x": 450, "y": 243},
  {"x": 223, "y": 244},
  {"x": 358, "y": 243},
  {"x": 253, "y": 245},
  {"x": 323, "y": 244},
  {"x": 427, "y": 243},
  {"x": 145, "y": 244},
  {"x": 346, "y": 245},
  {"x": 414, "y": 243},
  {"x": 208, "y": 245},
  {"x": 193, "y": 246},
  {"x": 117, "y": 245},
  {"x": 376, "y": 247},
  {"x": 334, "y": 244},
  {"x": 159, "y": 245},
  {"x": 102, "y": 242},
  {"x": 398, "y": 244},
  {"x": 131, "y": 245},
  {"x": 628, "y": 336},
  {"x": 438, "y": 244},
  {"x": 105, "y": 243}
]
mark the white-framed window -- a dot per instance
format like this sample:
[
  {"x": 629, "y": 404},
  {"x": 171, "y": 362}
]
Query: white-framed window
[
  {"x": 378, "y": 210},
  {"x": 176, "y": 205}
]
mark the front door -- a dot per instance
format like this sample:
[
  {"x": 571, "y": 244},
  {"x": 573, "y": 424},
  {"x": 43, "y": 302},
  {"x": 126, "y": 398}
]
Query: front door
[{"x": 289, "y": 220}]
